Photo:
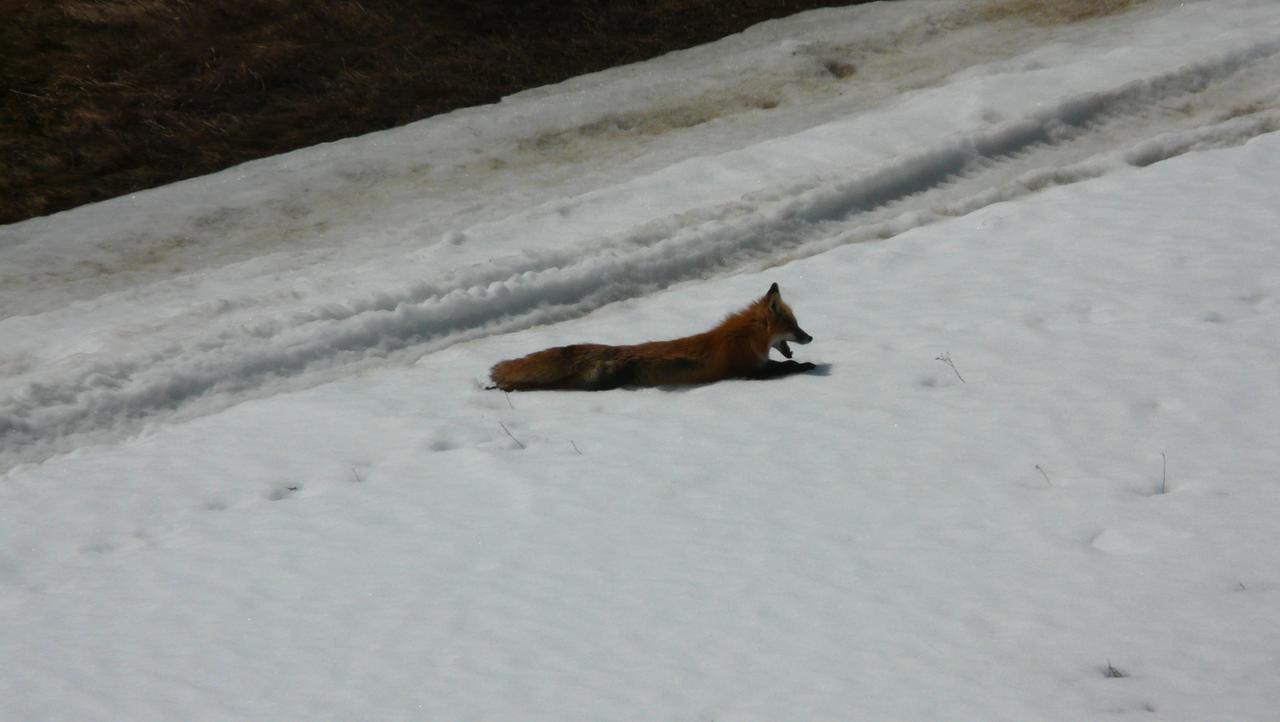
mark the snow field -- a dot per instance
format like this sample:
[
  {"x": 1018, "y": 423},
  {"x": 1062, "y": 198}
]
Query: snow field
[
  {"x": 248, "y": 470},
  {"x": 874, "y": 540}
]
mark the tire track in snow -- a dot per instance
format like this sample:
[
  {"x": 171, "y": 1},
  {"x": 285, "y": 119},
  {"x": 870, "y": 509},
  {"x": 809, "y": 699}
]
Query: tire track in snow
[{"x": 1079, "y": 138}]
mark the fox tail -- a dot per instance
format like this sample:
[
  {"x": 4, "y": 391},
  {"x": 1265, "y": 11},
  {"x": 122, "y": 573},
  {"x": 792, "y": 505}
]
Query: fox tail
[{"x": 582, "y": 366}]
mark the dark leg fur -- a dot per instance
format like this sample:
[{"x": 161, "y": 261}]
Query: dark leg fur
[
  {"x": 612, "y": 375},
  {"x": 776, "y": 369},
  {"x": 635, "y": 372}
]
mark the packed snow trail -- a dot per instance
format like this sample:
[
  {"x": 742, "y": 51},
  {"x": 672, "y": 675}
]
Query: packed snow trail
[{"x": 748, "y": 207}]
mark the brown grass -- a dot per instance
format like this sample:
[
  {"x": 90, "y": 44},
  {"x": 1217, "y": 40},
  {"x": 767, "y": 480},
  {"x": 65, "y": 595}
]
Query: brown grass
[
  {"x": 1055, "y": 12},
  {"x": 100, "y": 98}
]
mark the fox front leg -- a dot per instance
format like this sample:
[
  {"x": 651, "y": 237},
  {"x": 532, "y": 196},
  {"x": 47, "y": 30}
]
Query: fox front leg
[{"x": 775, "y": 369}]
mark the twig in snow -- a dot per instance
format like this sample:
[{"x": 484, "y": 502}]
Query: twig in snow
[
  {"x": 356, "y": 474},
  {"x": 1164, "y": 473},
  {"x": 575, "y": 447},
  {"x": 945, "y": 358},
  {"x": 1046, "y": 476},
  {"x": 513, "y": 438},
  {"x": 508, "y": 395},
  {"x": 1113, "y": 673}
]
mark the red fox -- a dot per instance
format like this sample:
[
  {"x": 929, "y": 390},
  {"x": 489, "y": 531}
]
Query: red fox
[{"x": 737, "y": 348}]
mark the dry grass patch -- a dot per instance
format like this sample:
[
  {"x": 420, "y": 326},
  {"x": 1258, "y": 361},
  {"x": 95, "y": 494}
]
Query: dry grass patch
[{"x": 1055, "y": 12}]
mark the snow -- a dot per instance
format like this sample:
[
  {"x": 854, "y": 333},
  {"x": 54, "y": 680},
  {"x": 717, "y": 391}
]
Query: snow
[{"x": 251, "y": 472}]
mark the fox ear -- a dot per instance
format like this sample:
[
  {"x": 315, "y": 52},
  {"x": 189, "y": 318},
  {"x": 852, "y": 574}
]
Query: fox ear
[
  {"x": 773, "y": 290},
  {"x": 773, "y": 297}
]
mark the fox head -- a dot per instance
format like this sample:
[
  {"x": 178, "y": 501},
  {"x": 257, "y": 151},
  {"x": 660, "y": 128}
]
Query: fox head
[{"x": 782, "y": 322}]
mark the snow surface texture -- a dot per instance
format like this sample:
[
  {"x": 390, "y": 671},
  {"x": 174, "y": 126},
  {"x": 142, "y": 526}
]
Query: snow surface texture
[{"x": 252, "y": 473}]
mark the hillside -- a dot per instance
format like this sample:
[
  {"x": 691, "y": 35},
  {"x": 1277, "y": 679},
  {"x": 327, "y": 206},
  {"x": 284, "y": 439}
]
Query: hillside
[
  {"x": 110, "y": 97},
  {"x": 250, "y": 468}
]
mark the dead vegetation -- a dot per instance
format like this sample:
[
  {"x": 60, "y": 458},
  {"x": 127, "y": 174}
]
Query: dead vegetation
[
  {"x": 1055, "y": 12},
  {"x": 104, "y": 97}
]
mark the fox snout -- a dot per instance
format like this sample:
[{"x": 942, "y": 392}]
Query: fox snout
[{"x": 802, "y": 338}]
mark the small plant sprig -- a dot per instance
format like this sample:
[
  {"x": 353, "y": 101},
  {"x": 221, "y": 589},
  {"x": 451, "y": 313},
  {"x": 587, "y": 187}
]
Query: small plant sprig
[{"x": 945, "y": 357}]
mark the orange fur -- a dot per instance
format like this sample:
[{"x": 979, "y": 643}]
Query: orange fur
[{"x": 737, "y": 348}]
